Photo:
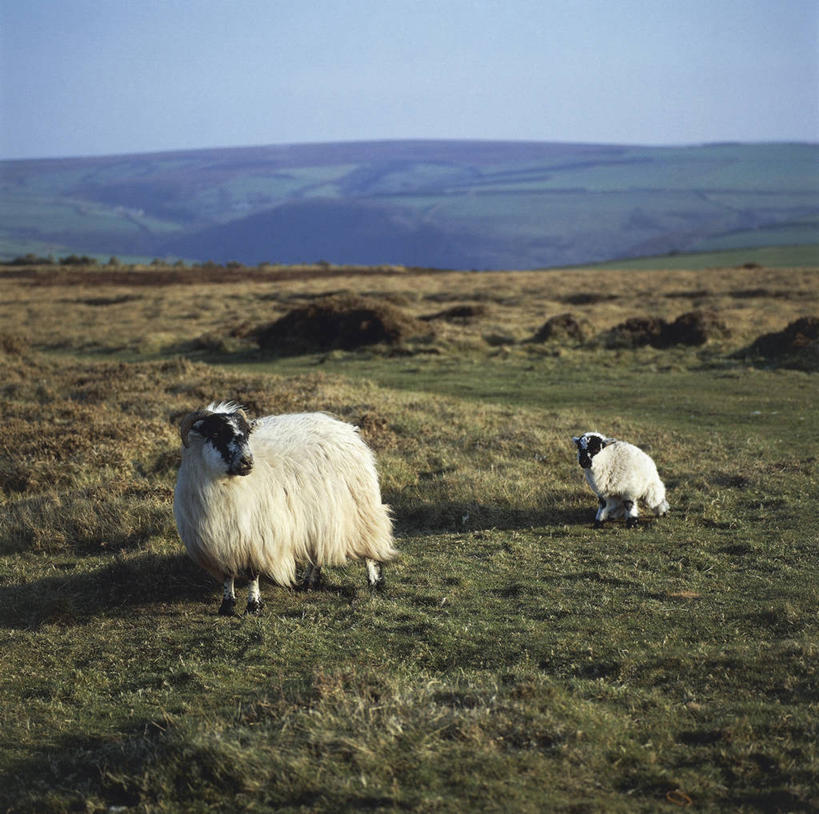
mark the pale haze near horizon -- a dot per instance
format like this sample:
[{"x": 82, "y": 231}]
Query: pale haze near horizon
[{"x": 79, "y": 77}]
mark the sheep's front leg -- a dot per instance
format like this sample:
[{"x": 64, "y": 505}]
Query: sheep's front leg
[
  {"x": 254, "y": 596},
  {"x": 375, "y": 574},
  {"x": 631, "y": 513},
  {"x": 228, "y": 605}
]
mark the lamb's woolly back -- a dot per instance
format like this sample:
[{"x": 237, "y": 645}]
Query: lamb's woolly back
[{"x": 621, "y": 468}]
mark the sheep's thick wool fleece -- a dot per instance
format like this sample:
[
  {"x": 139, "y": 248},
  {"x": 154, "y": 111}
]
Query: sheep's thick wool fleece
[
  {"x": 621, "y": 469},
  {"x": 312, "y": 497}
]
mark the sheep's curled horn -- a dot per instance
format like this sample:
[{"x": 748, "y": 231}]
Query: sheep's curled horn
[{"x": 188, "y": 421}]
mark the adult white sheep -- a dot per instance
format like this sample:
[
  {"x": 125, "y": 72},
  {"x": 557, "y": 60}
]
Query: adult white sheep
[
  {"x": 619, "y": 474},
  {"x": 259, "y": 498}
]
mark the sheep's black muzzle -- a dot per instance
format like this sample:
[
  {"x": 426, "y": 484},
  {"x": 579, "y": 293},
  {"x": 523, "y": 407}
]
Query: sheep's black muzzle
[
  {"x": 244, "y": 466},
  {"x": 584, "y": 460}
]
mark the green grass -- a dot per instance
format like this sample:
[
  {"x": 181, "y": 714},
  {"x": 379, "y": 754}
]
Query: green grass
[
  {"x": 769, "y": 256},
  {"x": 518, "y": 660}
]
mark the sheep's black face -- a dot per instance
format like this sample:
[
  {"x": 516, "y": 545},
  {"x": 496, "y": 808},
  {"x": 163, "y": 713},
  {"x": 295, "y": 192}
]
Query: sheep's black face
[
  {"x": 588, "y": 446},
  {"x": 228, "y": 436}
]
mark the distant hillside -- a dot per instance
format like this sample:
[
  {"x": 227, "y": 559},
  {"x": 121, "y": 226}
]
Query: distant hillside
[
  {"x": 771, "y": 257},
  {"x": 450, "y": 204}
]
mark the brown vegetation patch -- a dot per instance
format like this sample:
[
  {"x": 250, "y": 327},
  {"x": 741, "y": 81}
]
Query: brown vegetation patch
[
  {"x": 344, "y": 322},
  {"x": 690, "y": 328},
  {"x": 460, "y": 314},
  {"x": 563, "y": 327},
  {"x": 797, "y": 345},
  {"x": 376, "y": 430},
  {"x": 589, "y": 298},
  {"x": 103, "y": 301},
  {"x": 13, "y": 343},
  {"x": 163, "y": 275},
  {"x": 764, "y": 293},
  {"x": 696, "y": 294},
  {"x": 636, "y": 332},
  {"x": 695, "y": 328}
]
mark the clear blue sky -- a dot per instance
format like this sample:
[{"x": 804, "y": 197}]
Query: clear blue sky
[{"x": 91, "y": 77}]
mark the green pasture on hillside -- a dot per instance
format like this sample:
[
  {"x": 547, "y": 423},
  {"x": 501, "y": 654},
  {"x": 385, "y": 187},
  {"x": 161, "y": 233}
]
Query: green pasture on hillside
[{"x": 769, "y": 256}]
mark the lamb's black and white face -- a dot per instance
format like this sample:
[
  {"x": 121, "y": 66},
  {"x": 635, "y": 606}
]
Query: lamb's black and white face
[
  {"x": 588, "y": 445},
  {"x": 226, "y": 442}
]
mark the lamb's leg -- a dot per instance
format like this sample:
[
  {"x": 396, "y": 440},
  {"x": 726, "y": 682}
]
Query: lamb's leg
[
  {"x": 604, "y": 509},
  {"x": 375, "y": 574},
  {"x": 311, "y": 578},
  {"x": 228, "y": 605},
  {"x": 631, "y": 513},
  {"x": 254, "y": 596}
]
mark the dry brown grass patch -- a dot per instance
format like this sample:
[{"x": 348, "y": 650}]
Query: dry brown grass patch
[{"x": 131, "y": 315}]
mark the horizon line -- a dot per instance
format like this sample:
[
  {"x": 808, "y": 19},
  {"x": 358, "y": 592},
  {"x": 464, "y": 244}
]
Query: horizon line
[{"x": 414, "y": 140}]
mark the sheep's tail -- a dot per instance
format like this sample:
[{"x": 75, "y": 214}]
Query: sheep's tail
[{"x": 655, "y": 498}]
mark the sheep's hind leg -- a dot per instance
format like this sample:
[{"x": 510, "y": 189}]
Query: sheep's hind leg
[
  {"x": 631, "y": 513},
  {"x": 228, "y": 606},
  {"x": 375, "y": 574},
  {"x": 254, "y": 596},
  {"x": 312, "y": 578}
]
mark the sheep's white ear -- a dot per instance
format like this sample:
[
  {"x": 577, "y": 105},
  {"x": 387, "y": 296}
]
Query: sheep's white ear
[{"x": 606, "y": 441}]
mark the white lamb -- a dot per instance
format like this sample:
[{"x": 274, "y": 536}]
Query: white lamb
[
  {"x": 259, "y": 498},
  {"x": 619, "y": 474}
]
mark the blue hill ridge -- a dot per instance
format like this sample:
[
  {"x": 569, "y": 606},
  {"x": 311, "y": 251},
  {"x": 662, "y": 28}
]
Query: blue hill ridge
[{"x": 445, "y": 204}]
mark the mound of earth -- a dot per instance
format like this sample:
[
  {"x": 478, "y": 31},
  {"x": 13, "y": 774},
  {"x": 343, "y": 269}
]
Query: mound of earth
[
  {"x": 797, "y": 345},
  {"x": 564, "y": 327},
  {"x": 691, "y": 328},
  {"x": 343, "y": 322},
  {"x": 636, "y": 332},
  {"x": 461, "y": 314},
  {"x": 695, "y": 328}
]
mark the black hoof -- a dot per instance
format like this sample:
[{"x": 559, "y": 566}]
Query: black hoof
[
  {"x": 598, "y": 524},
  {"x": 254, "y": 607},
  {"x": 378, "y": 586},
  {"x": 631, "y": 522},
  {"x": 228, "y": 607}
]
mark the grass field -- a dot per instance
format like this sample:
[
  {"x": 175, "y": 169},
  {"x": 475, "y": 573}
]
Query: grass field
[
  {"x": 768, "y": 256},
  {"x": 519, "y": 660}
]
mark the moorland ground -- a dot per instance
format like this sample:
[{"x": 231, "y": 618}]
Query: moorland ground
[{"x": 519, "y": 660}]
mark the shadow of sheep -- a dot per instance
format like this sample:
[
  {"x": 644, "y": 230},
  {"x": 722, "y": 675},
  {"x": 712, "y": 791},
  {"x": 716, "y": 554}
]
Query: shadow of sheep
[{"x": 116, "y": 588}]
